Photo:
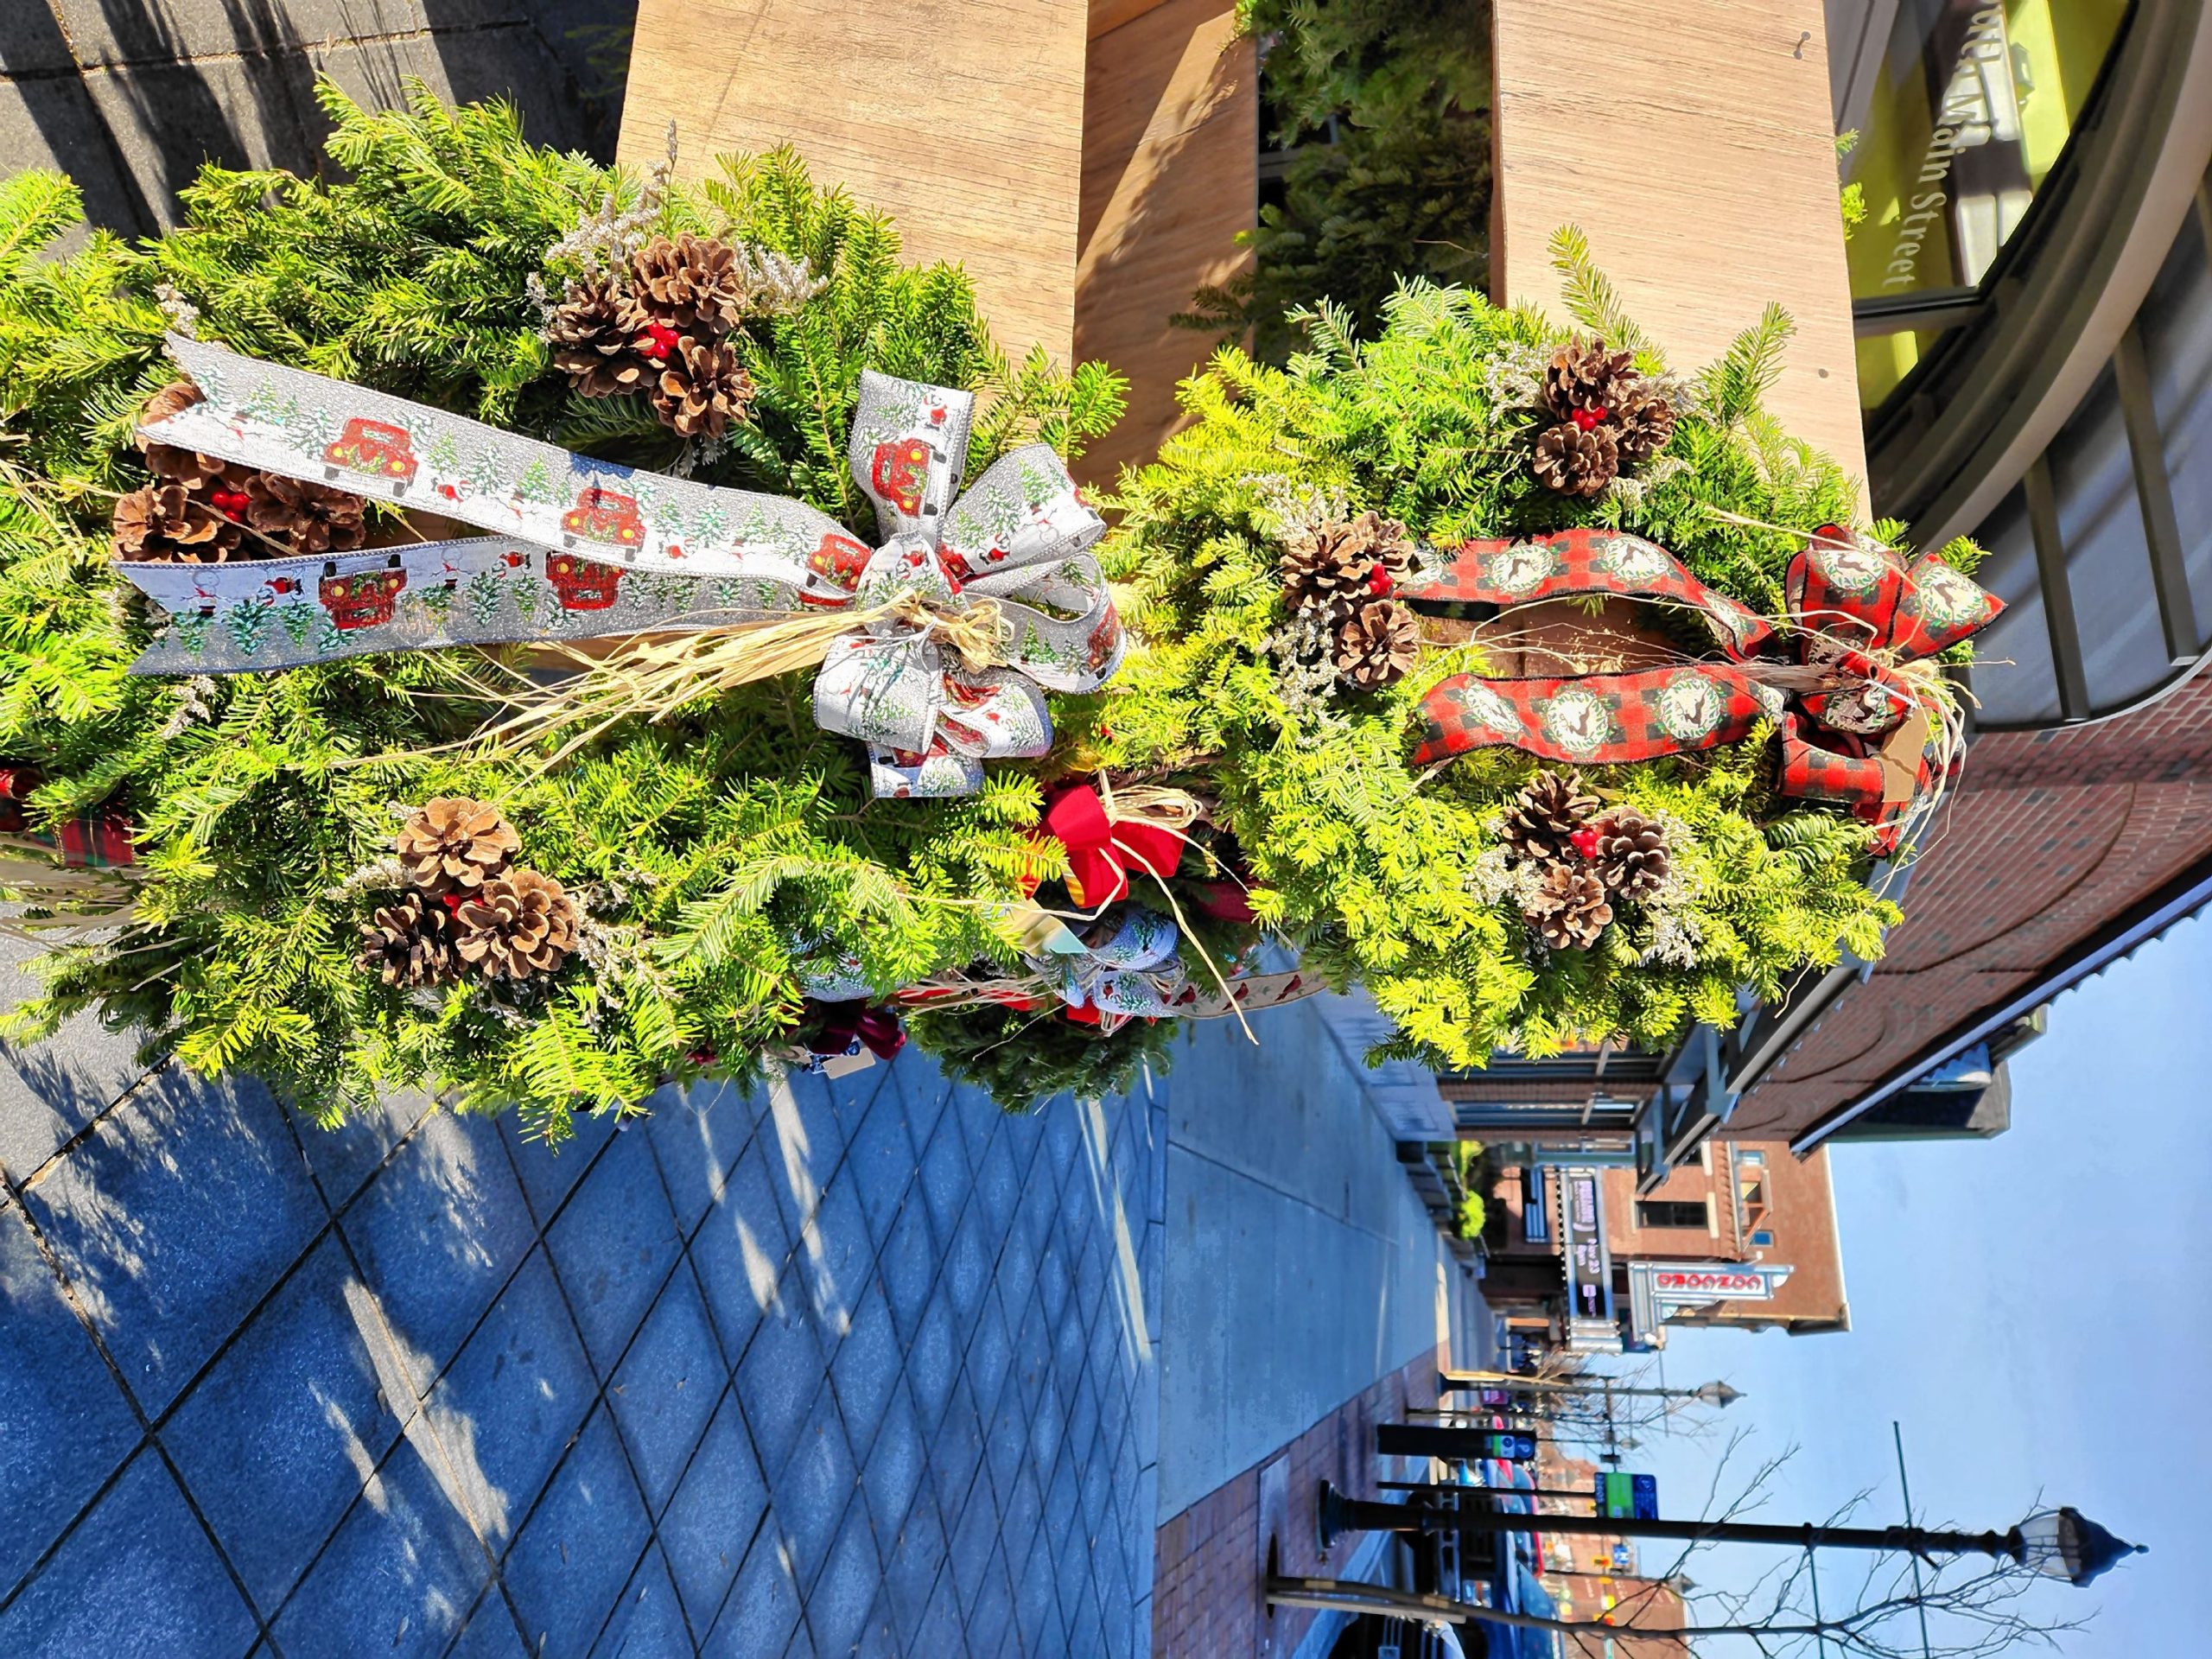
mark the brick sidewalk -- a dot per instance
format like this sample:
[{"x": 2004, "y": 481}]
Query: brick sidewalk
[{"x": 1207, "y": 1598}]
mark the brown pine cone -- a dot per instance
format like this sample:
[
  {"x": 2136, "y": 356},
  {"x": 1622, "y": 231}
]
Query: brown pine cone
[
  {"x": 166, "y": 523},
  {"x": 166, "y": 460},
  {"x": 1631, "y": 855},
  {"x": 308, "y": 518},
  {"x": 517, "y": 925},
  {"x": 1570, "y": 910},
  {"x": 1342, "y": 563},
  {"x": 1546, "y": 815},
  {"x": 1642, "y": 423},
  {"x": 1377, "y": 644},
  {"x": 410, "y": 941},
  {"x": 1583, "y": 374},
  {"x": 454, "y": 844},
  {"x": 692, "y": 284},
  {"x": 593, "y": 332},
  {"x": 1575, "y": 462},
  {"x": 703, "y": 388}
]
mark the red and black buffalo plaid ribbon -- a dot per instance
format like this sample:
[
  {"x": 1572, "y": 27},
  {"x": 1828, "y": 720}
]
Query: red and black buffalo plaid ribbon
[
  {"x": 1857, "y": 610},
  {"x": 96, "y": 841}
]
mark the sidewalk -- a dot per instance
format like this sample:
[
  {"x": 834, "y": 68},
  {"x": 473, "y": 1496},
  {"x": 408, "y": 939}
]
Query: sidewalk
[
  {"x": 863, "y": 1368},
  {"x": 1307, "y": 1296}
]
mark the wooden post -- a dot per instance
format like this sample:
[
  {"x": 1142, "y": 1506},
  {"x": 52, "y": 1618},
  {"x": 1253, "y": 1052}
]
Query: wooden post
[
  {"x": 961, "y": 118},
  {"x": 1090, "y": 161},
  {"x": 1170, "y": 174},
  {"x": 1692, "y": 142}
]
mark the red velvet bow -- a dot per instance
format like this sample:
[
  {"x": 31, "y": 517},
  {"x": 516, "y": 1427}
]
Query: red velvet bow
[
  {"x": 1102, "y": 849},
  {"x": 832, "y": 1028}
]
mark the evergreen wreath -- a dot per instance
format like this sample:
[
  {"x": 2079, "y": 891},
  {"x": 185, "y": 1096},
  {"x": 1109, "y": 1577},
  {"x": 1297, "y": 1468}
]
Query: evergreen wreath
[{"x": 651, "y": 906}]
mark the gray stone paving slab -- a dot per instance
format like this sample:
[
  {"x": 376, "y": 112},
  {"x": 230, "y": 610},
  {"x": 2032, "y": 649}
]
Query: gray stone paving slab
[
  {"x": 580, "y": 1546},
  {"x": 173, "y": 1219},
  {"x": 514, "y": 1399},
  {"x": 65, "y": 1427},
  {"x": 439, "y": 1234},
  {"x": 271, "y": 1443},
  {"x": 137, "y": 1580}
]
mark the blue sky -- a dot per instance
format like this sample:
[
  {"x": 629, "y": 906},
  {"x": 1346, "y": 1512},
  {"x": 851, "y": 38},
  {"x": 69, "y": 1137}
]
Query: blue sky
[{"x": 2035, "y": 1310}]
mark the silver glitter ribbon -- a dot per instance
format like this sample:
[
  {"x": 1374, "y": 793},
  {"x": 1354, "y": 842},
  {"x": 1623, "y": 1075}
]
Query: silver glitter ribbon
[{"x": 585, "y": 549}]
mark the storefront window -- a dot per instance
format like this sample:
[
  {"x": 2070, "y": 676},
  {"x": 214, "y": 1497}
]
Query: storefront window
[{"x": 1973, "y": 107}]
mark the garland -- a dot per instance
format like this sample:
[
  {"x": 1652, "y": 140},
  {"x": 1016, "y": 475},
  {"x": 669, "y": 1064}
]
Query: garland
[{"x": 422, "y": 863}]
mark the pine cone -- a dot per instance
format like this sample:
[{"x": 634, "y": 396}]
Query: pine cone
[
  {"x": 308, "y": 518},
  {"x": 455, "y": 844},
  {"x": 1377, "y": 644},
  {"x": 1585, "y": 375},
  {"x": 1570, "y": 910},
  {"x": 592, "y": 332},
  {"x": 1341, "y": 563},
  {"x": 692, "y": 284},
  {"x": 1546, "y": 815},
  {"x": 166, "y": 523},
  {"x": 1642, "y": 423},
  {"x": 518, "y": 925},
  {"x": 410, "y": 941},
  {"x": 166, "y": 460},
  {"x": 1631, "y": 856},
  {"x": 702, "y": 389},
  {"x": 1575, "y": 462}
]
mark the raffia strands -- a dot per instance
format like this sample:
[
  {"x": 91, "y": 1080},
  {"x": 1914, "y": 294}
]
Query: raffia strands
[{"x": 653, "y": 678}]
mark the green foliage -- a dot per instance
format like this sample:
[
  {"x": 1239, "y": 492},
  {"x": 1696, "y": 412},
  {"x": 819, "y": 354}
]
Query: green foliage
[
  {"x": 700, "y": 847},
  {"x": 1403, "y": 89},
  {"x": 1852, "y": 197},
  {"x": 1021, "y": 1058},
  {"x": 1472, "y": 1213},
  {"x": 1374, "y": 871}
]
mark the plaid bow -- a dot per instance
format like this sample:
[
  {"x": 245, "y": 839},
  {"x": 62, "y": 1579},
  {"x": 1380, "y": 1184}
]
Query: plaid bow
[{"x": 1860, "y": 615}]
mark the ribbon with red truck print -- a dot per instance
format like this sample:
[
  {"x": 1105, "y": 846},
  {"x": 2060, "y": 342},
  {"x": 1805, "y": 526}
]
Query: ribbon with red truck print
[
  {"x": 584, "y": 549},
  {"x": 1862, "y": 628}
]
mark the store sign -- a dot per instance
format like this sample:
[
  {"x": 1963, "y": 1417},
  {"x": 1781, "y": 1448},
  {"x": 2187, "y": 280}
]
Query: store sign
[
  {"x": 1589, "y": 1264},
  {"x": 1622, "y": 1496},
  {"x": 1694, "y": 1281}
]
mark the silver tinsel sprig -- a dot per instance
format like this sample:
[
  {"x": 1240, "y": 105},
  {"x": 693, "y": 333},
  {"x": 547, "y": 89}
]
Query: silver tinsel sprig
[
  {"x": 1512, "y": 376},
  {"x": 183, "y": 315},
  {"x": 379, "y": 875},
  {"x": 196, "y": 706}
]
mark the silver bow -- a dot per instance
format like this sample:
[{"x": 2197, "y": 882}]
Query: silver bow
[
  {"x": 929, "y": 718},
  {"x": 585, "y": 549}
]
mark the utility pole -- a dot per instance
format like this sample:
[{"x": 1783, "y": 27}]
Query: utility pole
[{"x": 1718, "y": 1395}]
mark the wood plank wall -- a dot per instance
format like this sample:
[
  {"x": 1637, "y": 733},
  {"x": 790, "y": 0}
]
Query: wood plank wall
[
  {"x": 1170, "y": 175},
  {"x": 1691, "y": 140},
  {"x": 1089, "y": 163},
  {"x": 963, "y": 118}
]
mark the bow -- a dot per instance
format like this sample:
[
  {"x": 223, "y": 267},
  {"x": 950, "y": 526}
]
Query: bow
[
  {"x": 1863, "y": 625},
  {"x": 973, "y": 606},
  {"x": 1103, "y": 841},
  {"x": 833, "y": 1028},
  {"x": 1133, "y": 971}
]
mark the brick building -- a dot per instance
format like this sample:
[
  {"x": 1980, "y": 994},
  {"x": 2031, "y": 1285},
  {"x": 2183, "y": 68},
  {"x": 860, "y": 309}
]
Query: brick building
[
  {"x": 1743, "y": 1234},
  {"x": 1605, "y": 1578}
]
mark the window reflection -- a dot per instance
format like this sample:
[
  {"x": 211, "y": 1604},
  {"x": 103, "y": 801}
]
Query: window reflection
[
  {"x": 2176, "y": 323},
  {"x": 1973, "y": 107},
  {"x": 2013, "y": 679},
  {"x": 2108, "y": 557}
]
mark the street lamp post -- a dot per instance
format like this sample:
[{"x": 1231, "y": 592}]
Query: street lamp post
[
  {"x": 1718, "y": 1395},
  {"x": 2061, "y": 1543}
]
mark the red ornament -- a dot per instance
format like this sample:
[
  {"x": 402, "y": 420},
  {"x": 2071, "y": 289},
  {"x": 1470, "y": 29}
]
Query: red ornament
[
  {"x": 1590, "y": 419},
  {"x": 660, "y": 341},
  {"x": 1585, "y": 840},
  {"x": 231, "y": 504},
  {"x": 1378, "y": 579}
]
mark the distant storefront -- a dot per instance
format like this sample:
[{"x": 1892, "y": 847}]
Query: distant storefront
[{"x": 1745, "y": 1236}]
